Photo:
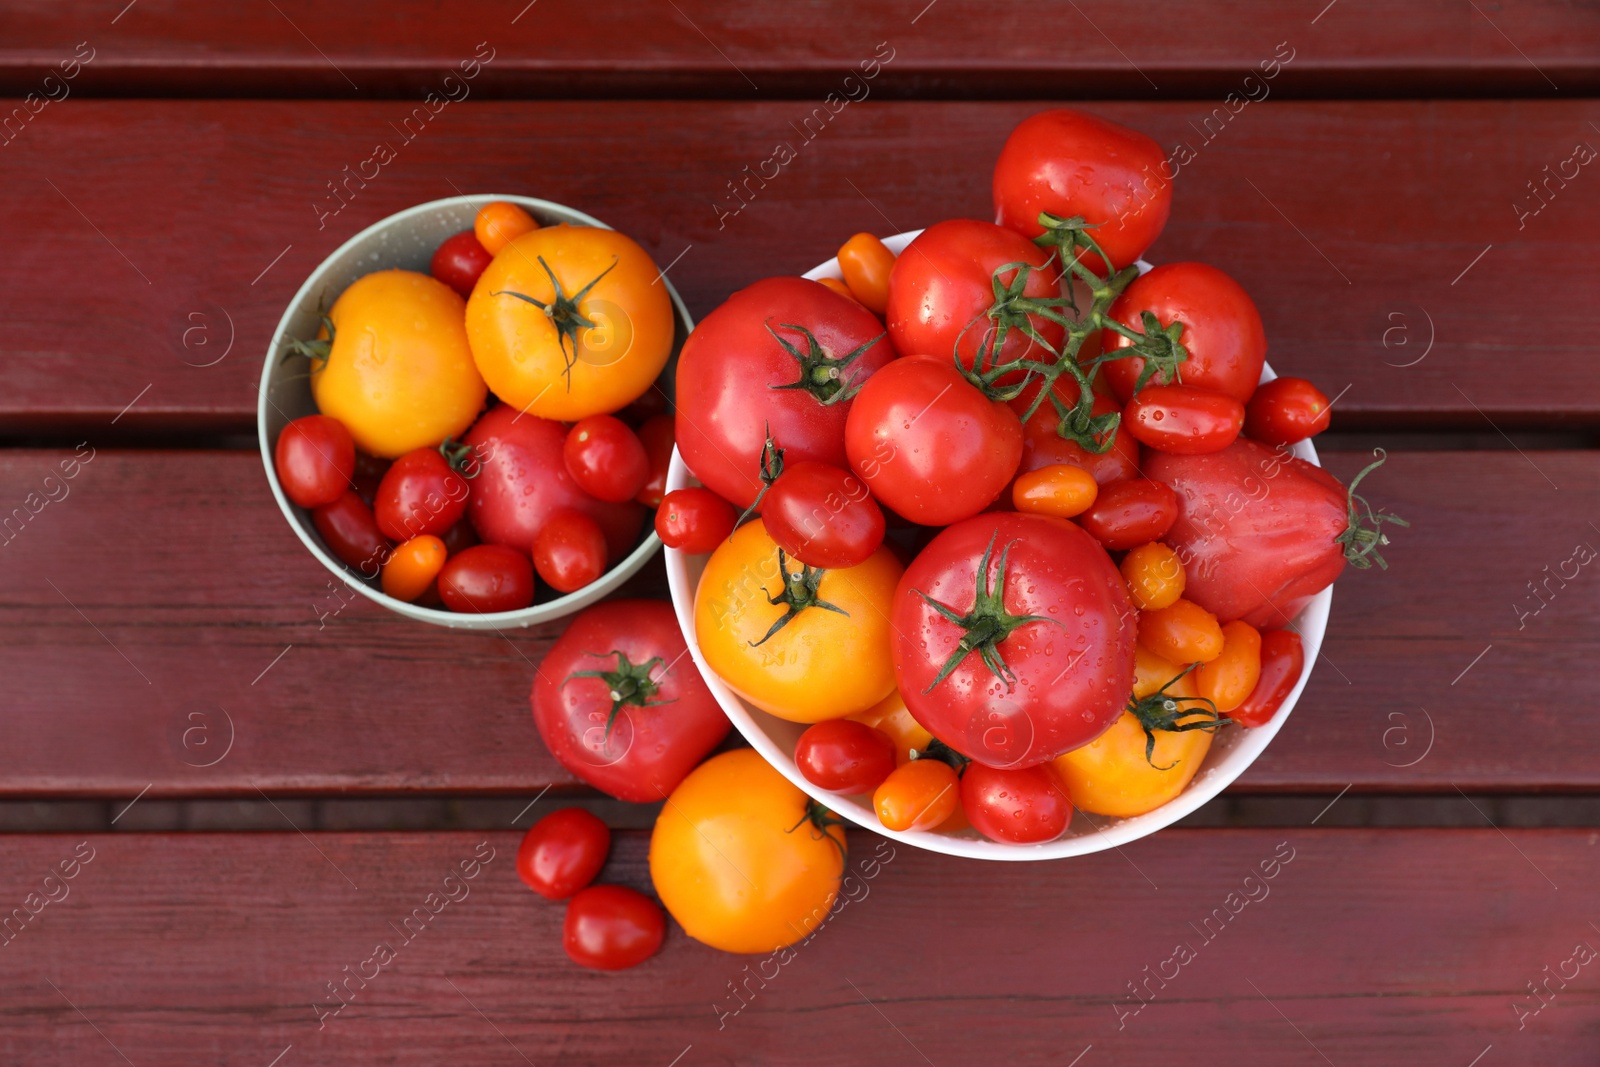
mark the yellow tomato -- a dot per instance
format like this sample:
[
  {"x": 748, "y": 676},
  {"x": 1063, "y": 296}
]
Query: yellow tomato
[
  {"x": 399, "y": 373},
  {"x": 736, "y": 861},
  {"x": 1110, "y": 775},
  {"x": 592, "y": 346},
  {"x": 796, "y": 658}
]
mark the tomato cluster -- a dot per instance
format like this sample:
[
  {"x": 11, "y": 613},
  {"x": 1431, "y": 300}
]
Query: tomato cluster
[{"x": 469, "y": 448}]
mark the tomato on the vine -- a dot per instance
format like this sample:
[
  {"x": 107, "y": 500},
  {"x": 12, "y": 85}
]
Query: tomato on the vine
[
  {"x": 1222, "y": 330},
  {"x": 1183, "y": 419},
  {"x": 458, "y": 262},
  {"x": 315, "y": 458},
  {"x": 844, "y": 756},
  {"x": 822, "y": 515},
  {"x": 1130, "y": 513},
  {"x": 570, "y": 551},
  {"x": 606, "y": 458},
  {"x": 485, "y": 579},
  {"x": 1043, "y": 445},
  {"x": 1286, "y": 410},
  {"x": 612, "y": 927},
  {"x": 563, "y": 852},
  {"x": 694, "y": 520},
  {"x": 1022, "y": 806},
  {"x": 421, "y": 493}
]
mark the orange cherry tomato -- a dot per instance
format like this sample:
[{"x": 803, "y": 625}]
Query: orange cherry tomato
[
  {"x": 839, "y": 287},
  {"x": 1060, "y": 489},
  {"x": 1151, "y": 672},
  {"x": 918, "y": 796},
  {"x": 413, "y": 566},
  {"x": 1154, "y": 575},
  {"x": 1183, "y": 632},
  {"x": 866, "y": 262},
  {"x": 1227, "y": 680},
  {"x": 499, "y": 223}
]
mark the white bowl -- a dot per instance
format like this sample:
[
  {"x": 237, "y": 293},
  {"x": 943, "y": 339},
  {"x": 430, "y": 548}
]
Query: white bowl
[
  {"x": 407, "y": 240},
  {"x": 1231, "y": 752}
]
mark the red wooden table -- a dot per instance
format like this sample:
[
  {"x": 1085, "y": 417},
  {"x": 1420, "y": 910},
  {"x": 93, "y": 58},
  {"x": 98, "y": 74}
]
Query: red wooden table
[{"x": 1386, "y": 197}]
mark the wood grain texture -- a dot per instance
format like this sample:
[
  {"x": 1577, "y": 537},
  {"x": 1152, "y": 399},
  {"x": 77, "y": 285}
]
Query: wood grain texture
[
  {"x": 563, "y": 48},
  {"x": 161, "y": 592},
  {"x": 1380, "y": 240},
  {"x": 1364, "y": 947}
]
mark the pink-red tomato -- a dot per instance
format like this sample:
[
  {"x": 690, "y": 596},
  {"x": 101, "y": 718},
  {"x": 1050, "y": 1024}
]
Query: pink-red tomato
[
  {"x": 570, "y": 551},
  {"x": 1183, "y": 419},
  {"x": 606, "y": 458},
  {"x": 655, "y": 433},
  {"x": 1023, "y": 807},
  {"x": 351, "y": 533},
  {"x": 1130, "y": 513},
  {"x": 822, "y": 515},
  {"x": 421, "y": 494},
  {"x": 563, "y": 852},
  {"x": 1222, "y": 330},
  {"x": 612, "y": 927},
  {"x": 1286, "y": 410},
  {"x": 1283, "y": 658},
  {"x": 485, "y": 579},
  {"x": 315, "y": 459},
  {"x": 694, "y": 520},
  {"x": 458, "y": 262},
  {"x": 844, "y": 756}
]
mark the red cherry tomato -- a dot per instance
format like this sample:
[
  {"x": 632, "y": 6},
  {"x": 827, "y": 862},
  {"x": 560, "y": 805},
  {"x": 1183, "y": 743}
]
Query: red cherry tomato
[
  {"x": 844, "y": 756},
  {"x": 612, "y": 927},
  {"x": 1221, "y": 329},
  {"x": 822, "y": 515},
  {"x": 459, "y": 536},
  {"x": 1183, "y": 420},
  {"x": 1283, "y": 657},
  {"x": 486, "y": 578},
  {"x": 368, "y": 476},
  {"x": 315, "y": 459},
  {"x": 562, "y": 852},
  {"x": 570, "y": 551},
  {"x": 694, "y": 520},
  {"x": 656, "y": 436},
  {"x": 606, "y": 458},
  {"x": 459, "y": 260},
  {"x": 1130, "y": 513},
  {"x": 1020, "y": 806},
  {"x": 351, "y": 533},
  {"x": 420, "y": 495},
  {"x": 1286, "y": 410}
]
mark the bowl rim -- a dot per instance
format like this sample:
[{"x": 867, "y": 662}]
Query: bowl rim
[
  {"x": 546, "y": 211},
  {"x": 1311, "y": 622}
]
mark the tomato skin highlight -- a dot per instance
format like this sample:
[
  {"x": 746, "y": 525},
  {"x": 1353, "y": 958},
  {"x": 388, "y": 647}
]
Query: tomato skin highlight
[
  {"x": 822, "y": 515},
  {"x": 844, "y": 756},
  {"x": 1182, "y": 419},
  {"x": 1222, "y": 330},
  {"x": 351, "y": 533},
  {"x": 919, "y": 795},
  {"x": 315, "y": 459},
  {"x": 563, "y": 852},
  {"x": 412, "y": 567},
  {"x": 866, "y": 263},
  {"x": 1286, "y": 410},
  {"x": 485, "y": 579},
  {"x": 1130, "y": 513},
  {"x": 606, "y": 458},
  {"x": 1063, "y": 490},
  {"x": 1022, "y": 807},
  {"x": 420, "y": 495},
  {"x": 570, "y": 551},
  {"x": 1283, "y": 658},
  {"x": 694, "y": 520},
  {"x": 458, "y": 262},
  {"x": 612, "y": 928}
]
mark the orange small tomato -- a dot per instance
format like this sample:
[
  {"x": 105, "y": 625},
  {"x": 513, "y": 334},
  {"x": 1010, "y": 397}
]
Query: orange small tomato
[
  {"x": 1059, "y": 489},
  {"x": 866, "y": 262},
  {"x": 1227, "y": 680},
  {"x": 413, "y": 566},
  {"x": 1151, "y": 672},
  {"x": 892, "y": 717},
  {"x": 918, "y": 796},
  {"x": 839, "y": 287},
  {"x": 1154, "y": 575},
  {"x": 499, "y": 223},
  {"x": 1182, "y": 632}
]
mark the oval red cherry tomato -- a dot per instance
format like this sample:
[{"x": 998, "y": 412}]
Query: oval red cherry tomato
[
  {"x": 844, "y": 756},
  {"x": 656, "y": 436},
  {"x": 351, "y": 533},
  {"x": 1286, "y": 410},
  {"x": 1283, "y": 657},
  {"x": 612, "y": 927},
  {"x": 1130, "y": 513},
  {"x": 563, "y": 852},
  {"x": 421, "y": 494},
  {"x": 570, "y": 551},
  {"x": 1221, "y": 329},
  {"x": 822, "y": 515},
  {"x": 459, "y": 260},
  {"x": 315, "y": 459},
  {"x": 1183, "y": 420},
  {"x": 486, "y": 578},
  {"x": 694, "y": 520},
  {"x": 606, "y": 458},
  {"x": 1020, "y": 806}
]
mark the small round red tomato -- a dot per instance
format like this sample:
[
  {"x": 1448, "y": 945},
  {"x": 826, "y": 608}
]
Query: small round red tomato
[
  {"x": 694, "y": 520},
  {"x": 315, "y": 459},
  {"x": 1183, "y": 420},
  {"x": 656, "y": 435},
  {"x": 1283, "y": 658},
  {"x": 1130, "y": 513},
  {"x": 351, "y": 533},
  {"x": 606, "y": 459},
  {"x": 421, "y": 494},
  {"x": 458, "y": 262},
  {"x": 570, "y": 551},
  {"x": 1022, "y": 807},
  {"x": 612, "y": 928},
  {"x": 1221, "y": 330},
  {"x": 822, "y": 515},
  {"x": 844, "y": 756},
  {"x": 563, "y": 852},
  {"x": 1286, "y": 410},
  {"x": 929, "y": 444},
  {"x": 486, "y": 578}
]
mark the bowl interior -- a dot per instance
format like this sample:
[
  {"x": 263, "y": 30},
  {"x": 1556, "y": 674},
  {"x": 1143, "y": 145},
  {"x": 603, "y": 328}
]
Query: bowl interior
[
  {"x": 407, "y": 240},
  {"x": 1231, "y": 751}
]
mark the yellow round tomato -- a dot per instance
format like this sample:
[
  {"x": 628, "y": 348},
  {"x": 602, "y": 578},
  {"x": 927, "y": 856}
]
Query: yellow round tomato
[
  {"x": 802, "y": 643},
  {"x": 1110, "y": 775},
  {"x": 399, "y": 373},
  {"x": 570, "y": 321},
  {"x": 737, "y": 861}
]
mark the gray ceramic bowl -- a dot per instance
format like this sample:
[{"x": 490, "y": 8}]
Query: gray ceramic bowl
[{"x": 407, "y": 240}]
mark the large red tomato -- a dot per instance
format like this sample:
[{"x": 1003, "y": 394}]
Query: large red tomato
[
  {"x": 522, "y": 480},
  {"x": 784, "y": 357},
  {"x": 1041, "y": 660},
  {"x": 1070, "y": 163},
  {"x": 620, "y": 705},
  {"x": 1221, "y": 329}
]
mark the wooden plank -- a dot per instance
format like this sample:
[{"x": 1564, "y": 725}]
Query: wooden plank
[
  {"x": 165, "y": 592},
  {"x": 1378, "y": 239},
  {"x": 1362, "y": 947},
  {"x": 296, "y": 48}
]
